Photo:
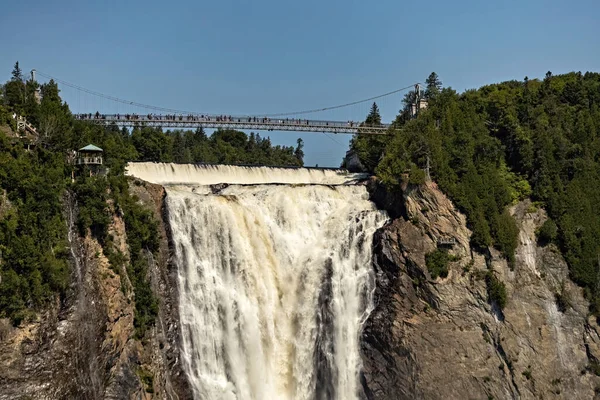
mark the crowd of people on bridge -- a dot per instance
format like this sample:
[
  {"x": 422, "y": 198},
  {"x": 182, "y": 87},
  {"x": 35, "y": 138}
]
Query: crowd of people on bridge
[{"x": 209, "y": 118}]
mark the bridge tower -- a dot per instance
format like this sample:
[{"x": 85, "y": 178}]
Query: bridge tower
[
  {"x": 419, "y": 103},
  {"x": 38, "y": 92}
]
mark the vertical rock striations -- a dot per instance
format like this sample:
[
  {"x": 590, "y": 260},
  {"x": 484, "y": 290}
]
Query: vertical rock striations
[{"x": 442, "y": 339}]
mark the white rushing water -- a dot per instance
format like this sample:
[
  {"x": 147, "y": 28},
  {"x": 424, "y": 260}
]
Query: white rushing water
[
  {"x": 200, "y": 174},
  {"x": 275, "y": 282}
]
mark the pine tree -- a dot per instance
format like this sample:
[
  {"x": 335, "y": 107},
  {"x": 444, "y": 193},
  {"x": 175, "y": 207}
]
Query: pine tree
[
  {"x": 14, "y": 91},
  {"x": 17, "y": 74},
  {"x": 178, "y": 148},
  {"x": 374, "y": 118},
  {"x": 433, "y": 86},
  {"x": 200, "y": 135},
  {"x": 31, "y": 106}
]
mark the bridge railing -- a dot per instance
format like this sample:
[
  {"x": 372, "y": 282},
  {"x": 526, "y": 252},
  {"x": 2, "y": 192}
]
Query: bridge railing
[
  {"x": 89, "y": 160},
  {"x": 239, "y": 122}
]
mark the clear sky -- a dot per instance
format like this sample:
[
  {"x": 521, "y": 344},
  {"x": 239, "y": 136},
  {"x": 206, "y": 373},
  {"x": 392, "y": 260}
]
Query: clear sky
[{"x": 255, "y": 57}]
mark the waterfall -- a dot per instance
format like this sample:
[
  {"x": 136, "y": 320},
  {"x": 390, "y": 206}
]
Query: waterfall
[
  {"x": 275, "y": 283},
  {"x": 207, "y": 174}
]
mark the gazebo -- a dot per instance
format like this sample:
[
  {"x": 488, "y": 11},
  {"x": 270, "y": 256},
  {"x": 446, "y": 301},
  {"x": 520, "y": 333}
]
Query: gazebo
[{"x": 90, "y": 156}]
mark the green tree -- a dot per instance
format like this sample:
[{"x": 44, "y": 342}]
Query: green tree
[
  {"x": 31, "y": 106},
  {"x": 409, "y": 99},
  {"x": 369, "y": 148},
  {"x": 17, "y": 74},
  {"x": 374, "y": 118},
  {"x": 54, "y": 118},
  {"x": 179, "y": 151},
  {"x": 548, "y": 231},
  {"x": 433, "y": 86},
  {"x": 14, "y": 91}
]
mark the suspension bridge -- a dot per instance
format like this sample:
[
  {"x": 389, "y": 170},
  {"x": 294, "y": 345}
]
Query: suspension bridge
[
  {"x": 109, "y": 111},
  {"x": 239, "y": 123}
]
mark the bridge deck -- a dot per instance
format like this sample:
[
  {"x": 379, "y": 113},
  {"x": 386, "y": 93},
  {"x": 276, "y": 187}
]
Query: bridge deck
[{"x": 240, "y": 123}]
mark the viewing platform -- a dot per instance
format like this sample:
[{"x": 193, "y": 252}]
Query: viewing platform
[
  {"x": 89, "y": 158},
  {"x": 89, "y": 155}
]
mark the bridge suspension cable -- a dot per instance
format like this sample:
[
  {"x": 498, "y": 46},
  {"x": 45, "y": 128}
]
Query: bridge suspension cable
[
  {"x": 112, "y": 98},
  {"x": 342, "y": 105},
  {"x": 175, "y": 111}
]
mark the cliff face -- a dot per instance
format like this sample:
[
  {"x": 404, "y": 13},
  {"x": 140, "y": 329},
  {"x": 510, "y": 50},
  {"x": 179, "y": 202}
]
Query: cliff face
[
  {"x": 426, "y": 338},
  {"x": 442, "y": 339},
  {"x": 85, "y": 347}
]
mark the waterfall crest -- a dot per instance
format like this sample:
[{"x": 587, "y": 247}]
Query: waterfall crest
[
  {"x": 275, "y": 283},
  {"x": 208, "y": 174}
]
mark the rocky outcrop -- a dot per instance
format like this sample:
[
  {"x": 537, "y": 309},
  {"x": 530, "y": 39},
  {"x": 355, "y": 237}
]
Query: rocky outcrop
[
  {"x": 82, "y": 347},
  {"x": 85, "y": 346},
  {"x": 163, "y": 277},
  {"x": 442, "y": 339},
  {"x": 352, "y": 162}
]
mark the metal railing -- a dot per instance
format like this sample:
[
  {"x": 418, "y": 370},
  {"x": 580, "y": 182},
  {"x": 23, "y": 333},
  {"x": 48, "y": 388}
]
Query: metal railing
[
  {"x": 23, "y": 125},
  {"x": 88, "y": 160},
  {"x": 229, "y": 122}
]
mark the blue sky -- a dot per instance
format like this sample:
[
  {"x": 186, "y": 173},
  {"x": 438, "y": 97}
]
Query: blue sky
[{"x": 254, "y": 57}]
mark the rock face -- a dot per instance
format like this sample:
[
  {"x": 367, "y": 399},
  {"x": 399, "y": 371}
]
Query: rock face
[
  {"x": 442, "y": 339},
  {"x": 426, "y": 338},
  {"x": 352, "y": 162},
  {"x": 85, "y": 347}
]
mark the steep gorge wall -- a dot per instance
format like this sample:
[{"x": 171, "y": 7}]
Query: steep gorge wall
[
  {"x": 85, "y": 347},
  {"x": 426, "y": 339},
  {"x": 441, "y": 339}
]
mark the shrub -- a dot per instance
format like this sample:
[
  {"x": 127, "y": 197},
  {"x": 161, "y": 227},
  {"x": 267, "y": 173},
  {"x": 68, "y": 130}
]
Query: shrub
[
  {"x": 147, "y": 380},
  {"x": 92, "y": 194},
  {"x": 417, "y": 176},
  {"x": 506, "y": 236},
  {"x": 437, "y": 263},
  {"x": 548, "y": 232},
  {"x": 496, "y": 290}
]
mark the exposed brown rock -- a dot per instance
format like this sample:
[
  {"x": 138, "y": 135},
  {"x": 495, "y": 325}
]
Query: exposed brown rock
[{"x": 85, "y": 348}]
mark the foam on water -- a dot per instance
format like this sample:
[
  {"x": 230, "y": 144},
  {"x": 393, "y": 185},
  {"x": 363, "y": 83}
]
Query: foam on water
[{"x": 275, "y": 282}]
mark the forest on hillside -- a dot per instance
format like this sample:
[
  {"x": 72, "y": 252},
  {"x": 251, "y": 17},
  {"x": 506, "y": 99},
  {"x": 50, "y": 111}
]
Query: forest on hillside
[
  {"x": 34, "y": 267},
  {"x": 490, "y": 147}
]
